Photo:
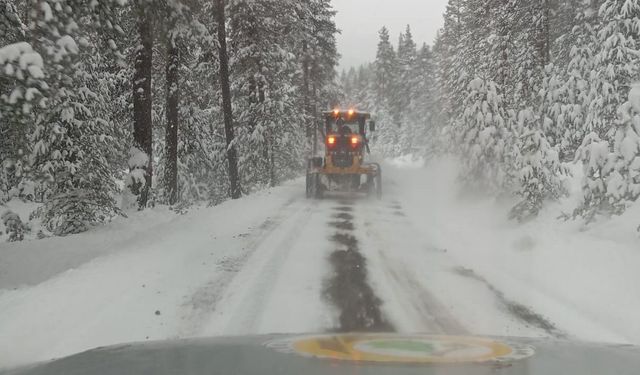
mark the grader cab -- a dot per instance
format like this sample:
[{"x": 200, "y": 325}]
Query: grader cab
[{"x": 343, "y": 167}]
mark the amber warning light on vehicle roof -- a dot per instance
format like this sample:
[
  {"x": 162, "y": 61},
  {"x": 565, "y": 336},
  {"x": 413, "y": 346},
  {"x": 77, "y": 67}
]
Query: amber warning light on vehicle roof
[{"x": 350, "y": 113}]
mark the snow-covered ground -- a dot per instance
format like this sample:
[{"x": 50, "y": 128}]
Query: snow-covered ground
[
  {"x": 439, "y": 261},
  {"x": 585, "y": 282}
]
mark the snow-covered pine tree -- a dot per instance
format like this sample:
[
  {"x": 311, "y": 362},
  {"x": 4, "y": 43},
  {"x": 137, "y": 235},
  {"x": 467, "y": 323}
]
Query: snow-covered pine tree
[
  {"x": 319, "y": 55},
  {"x": 182, "y": 35},
  {"x": 271, "y": 140},
  {"x": 201, "y": 168},
  {"x": 537, "y": 161},
  {"x": 385, "y": 70},
  {"x": 595, "y": 157},
  {"x": 13, "y": 225},
  {"x": 623, "y": 185},
  {"x": 405, "y": 91},
  {"x": 386, "y": 75},
  {"x": 20, "y": 73},
  {"x": 616, "y": 63},
  {"x": 566, "y": 16},
  {"x": 561, "y": 113},
  {"x": 424, "y": 131},
  {"x": 477, "y": 29},
  {"x": 572, "y": 89},
  {"x": 452, "y": 71},
  {"x": 231, "y": 140},
  {"x": 405, "y": 77},
  {"x": 140, "y": 161},
  {"x": 538, "y": 167},
  {"x": 364, "y": 96},
  {"x": 612, "y": 178},
  {"x": 71, "y": 141},
  {"x": 173, "y": 41},
  {"x": 463, "y": 59},
  {"x": 615, "y": 67},
  {"x": 484, "y": 136}
]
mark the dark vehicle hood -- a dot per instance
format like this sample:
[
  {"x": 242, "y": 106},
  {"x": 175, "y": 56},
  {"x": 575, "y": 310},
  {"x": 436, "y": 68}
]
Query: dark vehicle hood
[{"x": 348, "y": 354}]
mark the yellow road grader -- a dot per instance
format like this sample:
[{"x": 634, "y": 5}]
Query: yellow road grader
[{"x": 343, "y": 167}]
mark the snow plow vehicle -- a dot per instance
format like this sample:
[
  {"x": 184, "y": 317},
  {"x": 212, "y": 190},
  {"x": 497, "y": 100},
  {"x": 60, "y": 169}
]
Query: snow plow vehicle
[{"x": 343, "y": 167}]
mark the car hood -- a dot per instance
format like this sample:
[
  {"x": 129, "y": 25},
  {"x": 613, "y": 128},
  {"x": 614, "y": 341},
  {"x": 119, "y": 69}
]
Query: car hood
[{"x": 348, "y": 354}]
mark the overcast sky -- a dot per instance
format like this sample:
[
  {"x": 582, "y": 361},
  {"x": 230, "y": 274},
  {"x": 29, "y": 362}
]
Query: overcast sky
[{"x": 360, "y": 20}]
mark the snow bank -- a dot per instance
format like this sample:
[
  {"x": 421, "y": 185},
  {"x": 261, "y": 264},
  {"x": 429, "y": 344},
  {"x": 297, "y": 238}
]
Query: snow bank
[
  {"x": 585, "y": 281},
  {"x": 31, "y": 262},
  {"x": 159, "y": 275}
]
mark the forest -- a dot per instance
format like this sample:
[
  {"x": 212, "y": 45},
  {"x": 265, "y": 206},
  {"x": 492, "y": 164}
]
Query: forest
[
  {"x": 113, "y": 105},
  {"x": 518, "y": 92}
]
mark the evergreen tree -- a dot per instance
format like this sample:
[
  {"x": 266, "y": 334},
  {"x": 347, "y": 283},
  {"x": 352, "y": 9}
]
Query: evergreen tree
[
  {"x": 423, "y": 133},
  {"x": 615, "y": 67},
  {"x": 405, "y": 73},
  {"x": 16, "y": 81},
  {"x": 484, "y": 133},
  {"x": 538, "y": 166},
  {"x": 140, "y": 161},
  {"x": 265, "y": 92},
  {"x": 71, "y": 139},
  {"x": 319, "y": 60},
  {"x": 385, "y": 66},
  {"x": 232, "y": 156},
  {"x": 623, "y": 185},
  {"x": 452, "y": 72}
]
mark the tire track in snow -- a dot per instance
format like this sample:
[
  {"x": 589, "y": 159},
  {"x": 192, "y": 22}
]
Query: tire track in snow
[
  {"x": 431, "y": 315},
  {"x": 516, "y": 309},
  {"x": 420, "y": 307},
  {"x": 204, "y": 300},
  {"x": 245, "y": 312}
]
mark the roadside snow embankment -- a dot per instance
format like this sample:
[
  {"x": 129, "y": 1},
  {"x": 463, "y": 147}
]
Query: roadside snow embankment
[
  {"x": 155, "y": 275},
  {"x": 584, "y": 280}
]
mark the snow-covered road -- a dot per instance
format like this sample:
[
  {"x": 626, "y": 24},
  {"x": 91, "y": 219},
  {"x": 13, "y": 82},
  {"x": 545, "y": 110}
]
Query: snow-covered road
[{"x": 423, "y": 259}]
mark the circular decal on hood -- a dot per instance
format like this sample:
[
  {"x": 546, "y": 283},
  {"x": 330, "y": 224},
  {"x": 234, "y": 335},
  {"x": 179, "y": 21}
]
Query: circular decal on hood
[{"x": 404, "y": 349}]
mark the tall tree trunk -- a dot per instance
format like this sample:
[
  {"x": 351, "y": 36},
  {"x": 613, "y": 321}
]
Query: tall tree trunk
[
  {"x": 267, "y": 152},
  {"x": 173, "y": 101},
  {"x": 315, "y": 124},
  {"x": 305, "y": 89},
  {"x": 545, "y": 31},
  {"x": 272, "y": 165},
  {"x": 142, "y": 98},
  {"x": 232, "y": 156}
]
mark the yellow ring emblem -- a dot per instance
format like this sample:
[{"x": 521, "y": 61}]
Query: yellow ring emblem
[{"x": 405, "y": 349}]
